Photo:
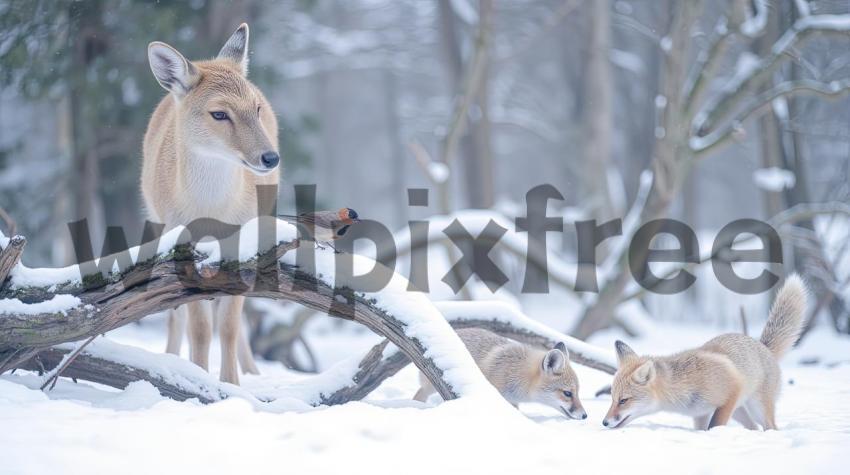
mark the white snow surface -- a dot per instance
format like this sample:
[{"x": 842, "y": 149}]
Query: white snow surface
[
  {"x": 88, "y": 429},
  {"x": 57, "y": 304}
]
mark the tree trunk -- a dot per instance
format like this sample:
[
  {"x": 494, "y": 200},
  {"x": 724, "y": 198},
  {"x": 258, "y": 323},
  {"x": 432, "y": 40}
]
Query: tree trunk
[{"x": 598, "y": 90}]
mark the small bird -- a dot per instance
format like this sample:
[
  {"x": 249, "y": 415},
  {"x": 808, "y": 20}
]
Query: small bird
[{"x": 324, "y": 226}]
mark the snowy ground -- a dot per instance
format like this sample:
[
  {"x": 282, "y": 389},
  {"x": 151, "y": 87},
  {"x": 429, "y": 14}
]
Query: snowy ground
[{"x": 81, "y": 428}]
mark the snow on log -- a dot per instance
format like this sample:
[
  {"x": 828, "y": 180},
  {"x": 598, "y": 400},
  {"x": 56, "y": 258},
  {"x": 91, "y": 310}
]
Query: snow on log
[
  {"x": 352, "y": 379},
  {"x": 507, "y": 321},
  {"x": 40, "y": 308},
  {"x": 356, "y": 380},
  {"x": 115, "y": 365}
]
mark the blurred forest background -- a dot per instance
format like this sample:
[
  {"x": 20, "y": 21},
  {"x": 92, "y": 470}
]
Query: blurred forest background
[{"x": 737, "y": 106}]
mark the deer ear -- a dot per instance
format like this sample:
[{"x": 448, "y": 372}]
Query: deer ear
[
  {"x": 624, "y": 352},
  {"x": 644, "y": 373},
  {"x": 236, "y": 48},
  {"x": 171, "y": 69}
]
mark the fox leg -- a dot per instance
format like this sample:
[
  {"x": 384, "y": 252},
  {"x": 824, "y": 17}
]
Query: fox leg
[
  {"x": 176, "y": 329},
  {"x": 743, "y": 417},
  {"x": 723, "y": 413},
  {"x": 200, "y": 333},
  {"x": 769, "y": 409},
  {"x": 230, "y": 322},
  {"x": 701, "y": 422}
]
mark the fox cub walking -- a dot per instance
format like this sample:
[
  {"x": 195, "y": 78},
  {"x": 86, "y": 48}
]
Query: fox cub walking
[
  {"x": 732, "y": 375},
  {"x": 521, "y": 373}
]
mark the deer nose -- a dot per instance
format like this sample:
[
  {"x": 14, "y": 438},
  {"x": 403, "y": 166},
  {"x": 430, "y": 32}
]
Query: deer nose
[
  {"x": 605, "y": 423},
  {"x": 270, "y": 159}
]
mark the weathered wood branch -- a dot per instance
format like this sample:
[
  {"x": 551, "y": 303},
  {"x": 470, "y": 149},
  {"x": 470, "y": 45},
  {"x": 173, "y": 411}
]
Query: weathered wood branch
[
  {"x": 10, "y": 256},
  {"x": 374, "y": 369},
  {"x": 178, "y": 277},
  {"x": 118, "y": 375}
]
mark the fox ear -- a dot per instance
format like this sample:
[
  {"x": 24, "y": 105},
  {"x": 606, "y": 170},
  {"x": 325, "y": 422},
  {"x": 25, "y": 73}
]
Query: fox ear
[
  {"x": 563, "y": 349},
  {"x": 554, "y": 362},
  {"x": 171, "y": 69},
  {"x": 644, "y": 373},
  {"x": 236, "y": 48},
  {"x": 624, "y": 352}
]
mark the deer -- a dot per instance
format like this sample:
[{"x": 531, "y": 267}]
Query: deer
[{"x": 211, "y": 141}]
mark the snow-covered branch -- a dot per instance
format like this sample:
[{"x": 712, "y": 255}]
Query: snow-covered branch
[
  {"x": 115, "y": 365},
  {"x": 761, "y": 70},
  {"x": 497, "y": 317},
  {"x": 761, "y": 103},
  {"x": 509, "y": 322},
  {"x": 40, "y": 308}
]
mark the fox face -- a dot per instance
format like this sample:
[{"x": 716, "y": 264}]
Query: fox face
[
  {"x": 220, "y": 114},
  {"x": 632, "y": 392},
  {"x": 558, "y": 386}
]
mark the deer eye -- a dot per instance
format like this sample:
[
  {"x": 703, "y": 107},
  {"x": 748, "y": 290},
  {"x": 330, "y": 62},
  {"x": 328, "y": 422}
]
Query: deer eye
[
  {"x": 219, "y": 115},
  {"x": 568, "y": 394},
  {"x": 624, "y": 401},
  {"x": 258, "y": 110}
]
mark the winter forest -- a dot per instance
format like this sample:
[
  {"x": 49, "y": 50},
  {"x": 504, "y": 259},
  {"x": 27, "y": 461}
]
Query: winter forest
[{"x": 591, "y": 236}]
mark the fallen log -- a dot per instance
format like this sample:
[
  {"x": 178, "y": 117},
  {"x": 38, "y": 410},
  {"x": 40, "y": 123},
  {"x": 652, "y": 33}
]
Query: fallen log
[{"x": 39, "y": 310}]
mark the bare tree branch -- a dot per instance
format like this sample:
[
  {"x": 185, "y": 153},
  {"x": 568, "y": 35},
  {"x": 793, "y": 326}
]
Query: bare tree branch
[
  {"x": 706, "y": 65},
  {"x": 10, "y": 256},
  {"x": 761, "y": 104},
  {"x": 794, "y": 214},
  {"x": 100, "y": 370},
  {"x": 761, "y": 72}
]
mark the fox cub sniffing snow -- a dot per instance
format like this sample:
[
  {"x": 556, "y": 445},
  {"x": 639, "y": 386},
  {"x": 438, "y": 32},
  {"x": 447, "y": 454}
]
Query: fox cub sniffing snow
[
  {"x": 521, "y": 373},
  {"x": 732, "y": 375}
]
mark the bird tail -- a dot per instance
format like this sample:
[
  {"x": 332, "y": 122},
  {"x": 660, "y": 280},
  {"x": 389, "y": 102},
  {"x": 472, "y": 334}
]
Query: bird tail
[{"x": 785, "y": 322}]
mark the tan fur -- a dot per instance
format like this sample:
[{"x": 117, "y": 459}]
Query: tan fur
[
  {"x": 198, "y": 167},
  {"x": 730, "y": 376},
  {"x": 520, "y": 372}
]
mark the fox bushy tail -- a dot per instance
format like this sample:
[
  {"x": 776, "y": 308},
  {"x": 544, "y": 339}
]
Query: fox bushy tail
[{"x": 786, "y": 316}]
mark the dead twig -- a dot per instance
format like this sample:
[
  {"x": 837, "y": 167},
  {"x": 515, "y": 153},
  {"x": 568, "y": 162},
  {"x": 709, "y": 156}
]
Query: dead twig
[{"x": 54, "y": 377}]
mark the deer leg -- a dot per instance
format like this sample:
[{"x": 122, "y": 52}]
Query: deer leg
[
  {"x": 200, "y": 333},
  {"x": 230, "y": 321},
  {"x": 176, "y": 329}
]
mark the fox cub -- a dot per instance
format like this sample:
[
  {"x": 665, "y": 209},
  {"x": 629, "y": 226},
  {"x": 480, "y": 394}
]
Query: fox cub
[
  {"x": 521, "y": 373},
  {"x": 731, "y": 376}
]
